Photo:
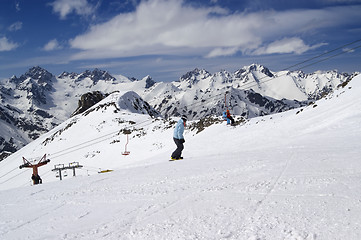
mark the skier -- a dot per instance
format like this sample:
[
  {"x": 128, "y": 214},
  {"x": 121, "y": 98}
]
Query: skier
[
  {"x": 179, "y": 138},
  {"x": 227, "y": 116}
]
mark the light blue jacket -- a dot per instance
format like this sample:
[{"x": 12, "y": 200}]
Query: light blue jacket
[
  {"x": 179, "y": 129},
  {"x": 226, "y": 118}
]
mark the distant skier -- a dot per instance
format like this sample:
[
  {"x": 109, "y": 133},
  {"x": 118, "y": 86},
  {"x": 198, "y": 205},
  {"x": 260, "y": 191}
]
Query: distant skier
[
  {"x": 227, "y": 116},
  {"x": 179, "y": 138}
]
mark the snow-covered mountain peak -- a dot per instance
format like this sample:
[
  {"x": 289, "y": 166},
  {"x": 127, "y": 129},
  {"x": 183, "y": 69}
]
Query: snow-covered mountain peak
[
  {"x": 253, "y": 68},
  {"x": 65, "y": 74},
  {"x": 96, "y": 75},
  {"x": 38, "y": 74},
  {"x": 195, "y": 76}
]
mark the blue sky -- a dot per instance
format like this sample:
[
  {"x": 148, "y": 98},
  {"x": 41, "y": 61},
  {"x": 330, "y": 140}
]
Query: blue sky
[{"x": 167, "y": 38}]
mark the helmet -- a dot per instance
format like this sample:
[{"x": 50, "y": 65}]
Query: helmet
[{"x": 184, "y": 118}]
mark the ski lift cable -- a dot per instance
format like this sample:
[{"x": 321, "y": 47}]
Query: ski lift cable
[
  {"x": 323, "y": 54},
  {"x": 92, "y": 140},
  {"x": 9, "y": 172},
  {"x": 13, "y": 177},
  {"x": 82, "y": 145},
  {"x": 44, "y": 174},
  {"x": 60, "y": 153},
  {"x": 325, "y": 59},
  {"x": 89, "y": 141}
]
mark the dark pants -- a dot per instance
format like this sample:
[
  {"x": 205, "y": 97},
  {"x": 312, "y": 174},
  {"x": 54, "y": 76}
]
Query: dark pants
[
  {"x": 231, "y": 118},
  {"x": 178, "y": 152}
]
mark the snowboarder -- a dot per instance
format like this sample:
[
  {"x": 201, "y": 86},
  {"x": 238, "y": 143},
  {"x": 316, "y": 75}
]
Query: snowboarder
[
  {"x": 179, "y": 138},
  {"x": 227, "y": 116}
]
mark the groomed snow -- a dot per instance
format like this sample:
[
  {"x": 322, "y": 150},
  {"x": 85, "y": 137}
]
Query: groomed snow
[{"x": 295, "y": 175}]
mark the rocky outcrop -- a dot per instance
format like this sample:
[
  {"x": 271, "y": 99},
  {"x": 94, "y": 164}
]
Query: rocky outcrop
[{"x": 88, "y": 100}]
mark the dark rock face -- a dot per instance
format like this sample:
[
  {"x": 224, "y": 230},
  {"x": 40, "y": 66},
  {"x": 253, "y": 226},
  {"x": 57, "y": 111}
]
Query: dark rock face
[
  {"x": 88, "y": 100},
  {"x": 4, "y": 155},
  {"x": 149, "y": 82},
  {"x": 7, "y": 146}
]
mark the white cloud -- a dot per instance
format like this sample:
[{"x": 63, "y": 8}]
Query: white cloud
[
  {"x": 66, "y": 7},
  {"x": 286, "y": 45},
  {"x": 52, "y": 45},
  {"x": 222, "y": 52},
  {"x": 172, "y": 27},
  {"x": 349, "y": 50},
  {"x": 16, "y": 26},
  {"x": 17, "y": 6},
  {"x": 6, "y": 45}
]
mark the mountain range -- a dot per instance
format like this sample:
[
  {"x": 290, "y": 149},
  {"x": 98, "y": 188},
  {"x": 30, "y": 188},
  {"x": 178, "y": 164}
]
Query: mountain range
[{"x": 38, "y": 101}]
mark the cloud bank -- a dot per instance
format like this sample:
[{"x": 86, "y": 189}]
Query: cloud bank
[{"x": 159, "y": 27}]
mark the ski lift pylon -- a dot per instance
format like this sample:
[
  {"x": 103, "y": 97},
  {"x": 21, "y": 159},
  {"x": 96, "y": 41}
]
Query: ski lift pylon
[{"x": 225, "y": 100}]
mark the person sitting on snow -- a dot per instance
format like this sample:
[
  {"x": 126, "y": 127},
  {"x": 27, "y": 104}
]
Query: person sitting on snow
[{"x": 36, "y": 179}]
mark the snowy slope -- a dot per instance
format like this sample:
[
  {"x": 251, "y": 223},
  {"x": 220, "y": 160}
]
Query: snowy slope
[{"x": 293, "y": 175}]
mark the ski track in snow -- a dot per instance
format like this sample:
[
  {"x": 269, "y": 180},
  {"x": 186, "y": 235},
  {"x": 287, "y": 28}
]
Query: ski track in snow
[{"x": 215, "y": 201}]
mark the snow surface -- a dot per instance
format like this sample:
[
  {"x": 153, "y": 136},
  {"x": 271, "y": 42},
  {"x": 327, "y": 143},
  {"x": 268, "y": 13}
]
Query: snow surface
[{"x": 294, "y": 175}]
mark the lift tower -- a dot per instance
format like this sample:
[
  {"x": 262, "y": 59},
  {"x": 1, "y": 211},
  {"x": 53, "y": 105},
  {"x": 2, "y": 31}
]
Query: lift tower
[{"x": 27, "y": 164}]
